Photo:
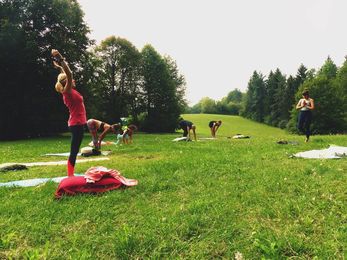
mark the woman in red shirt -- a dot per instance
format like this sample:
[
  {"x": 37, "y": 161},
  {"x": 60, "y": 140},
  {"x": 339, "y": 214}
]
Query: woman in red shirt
[{"x": 74, "y": 102}]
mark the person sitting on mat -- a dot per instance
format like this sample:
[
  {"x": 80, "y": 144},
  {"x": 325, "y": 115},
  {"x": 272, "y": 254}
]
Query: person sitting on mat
[
  {"x": 214, "y": 125},
  {"x": 186, "y": 126},
  {"x": 95, "y": 125}
]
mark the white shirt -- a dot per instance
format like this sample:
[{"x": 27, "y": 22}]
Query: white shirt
[{"x": 307, "y": 103}]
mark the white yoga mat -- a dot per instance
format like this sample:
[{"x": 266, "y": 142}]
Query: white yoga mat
[
  {"x": 79, "y": 154},
  {"x": 333, "y": 152},
  {"x": 241, "y": 136},
  {"x": 180, "y": 139},
  {"x": 33, "y": 182},
  {"x": 55, "y": 163}
]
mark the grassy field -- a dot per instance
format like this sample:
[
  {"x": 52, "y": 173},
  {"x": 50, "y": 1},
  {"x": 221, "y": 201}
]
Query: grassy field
[{"x": 205, "y": 199}]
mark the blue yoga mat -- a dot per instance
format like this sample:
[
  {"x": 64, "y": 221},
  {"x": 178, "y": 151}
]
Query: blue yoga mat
[{"x": 33, "y": 182}]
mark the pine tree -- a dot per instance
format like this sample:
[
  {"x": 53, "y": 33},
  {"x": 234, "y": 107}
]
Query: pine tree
[
  {"x": 275, "y": 89},
  {"x": 254, "y": 104}
]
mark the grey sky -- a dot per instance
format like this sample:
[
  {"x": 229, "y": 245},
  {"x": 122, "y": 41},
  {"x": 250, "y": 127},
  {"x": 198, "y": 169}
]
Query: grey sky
[{"x": 219, "y": 43}]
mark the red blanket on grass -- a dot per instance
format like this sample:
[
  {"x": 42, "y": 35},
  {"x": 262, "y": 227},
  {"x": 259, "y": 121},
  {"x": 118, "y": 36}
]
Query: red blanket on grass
[{"x": 96, "y": 179}]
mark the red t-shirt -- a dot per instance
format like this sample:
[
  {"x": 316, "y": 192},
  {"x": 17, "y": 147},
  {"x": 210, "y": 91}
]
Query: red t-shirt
[{"x": 74, "y": 102}]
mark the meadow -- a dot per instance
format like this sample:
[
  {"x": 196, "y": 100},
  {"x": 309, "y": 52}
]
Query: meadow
[{"x": 195, "y": 200}]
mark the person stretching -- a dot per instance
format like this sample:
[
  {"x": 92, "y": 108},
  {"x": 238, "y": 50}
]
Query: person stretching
[
  {"x": 305, "y": 104},
  {"x": 214, "y": 125},
  {"x": 95, "y": 125},
  {"x": 74, "y": 101},
  {"x": 186, "y": 126},
  {"x": 128, "y": 134}
]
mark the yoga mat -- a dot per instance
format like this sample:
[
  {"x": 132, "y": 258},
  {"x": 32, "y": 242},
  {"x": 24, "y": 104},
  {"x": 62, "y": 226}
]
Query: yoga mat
[
  {"x": 33, "y": 182},
  {"x": 180, "y": 139},
  {"x": 56, "y": 162},
  {"x": 333, "y": 152},
  {"x": 79, "y": 154}
]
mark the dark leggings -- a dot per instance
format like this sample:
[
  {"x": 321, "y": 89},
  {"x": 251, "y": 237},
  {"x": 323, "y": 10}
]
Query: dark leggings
[
  {"x": 185, "y": 132},
  {"x": 304, "y": 122},
  {"x": 77, "y": 132}
]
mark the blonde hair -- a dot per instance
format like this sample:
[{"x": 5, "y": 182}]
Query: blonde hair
[{"x": 58, "y": 86}]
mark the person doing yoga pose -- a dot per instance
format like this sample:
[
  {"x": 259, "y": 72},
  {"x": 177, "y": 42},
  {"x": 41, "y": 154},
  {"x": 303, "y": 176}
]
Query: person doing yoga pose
[
  {"x": 186, "y": 126},
  {"x": 96, "y": 125},
  {"x": 74, "y": 101},
  {"x": 306, "y": 105},
  {"x": 214, "y": 125}
]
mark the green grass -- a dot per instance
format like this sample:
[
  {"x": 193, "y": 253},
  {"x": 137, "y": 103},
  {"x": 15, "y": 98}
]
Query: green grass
[{"x": 206, "y": 199}]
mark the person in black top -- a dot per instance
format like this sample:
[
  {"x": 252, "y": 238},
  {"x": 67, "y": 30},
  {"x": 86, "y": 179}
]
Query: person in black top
[
  {"x": 186, "y": 126},
  {"x": 214, "y": 125}
]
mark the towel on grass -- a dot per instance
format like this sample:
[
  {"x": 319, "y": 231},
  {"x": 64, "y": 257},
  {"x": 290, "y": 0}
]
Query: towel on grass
[
  {"x": 96, "y": 180},
  {"x": 333, "y": 152}
]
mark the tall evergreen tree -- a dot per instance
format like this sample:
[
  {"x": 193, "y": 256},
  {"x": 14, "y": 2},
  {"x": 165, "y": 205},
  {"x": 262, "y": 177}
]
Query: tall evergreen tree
[
  {"x": 289, "y": 97},
  {"x": 301, "y": 75},
  {"x": 328, "y": 70},
  {"x": 341, "y": 85},
  {"x": 270, "y": 87},
  {"x": 275, "y": 101},
  {"x": 255, "y": 106}
]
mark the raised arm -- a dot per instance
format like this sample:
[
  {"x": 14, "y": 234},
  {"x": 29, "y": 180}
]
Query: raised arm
[
  {"x": 66, "y": 69},
  {"x": 57, "y": 66}
]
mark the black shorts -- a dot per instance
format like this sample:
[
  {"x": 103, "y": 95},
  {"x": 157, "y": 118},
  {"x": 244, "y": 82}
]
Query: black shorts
[{"x": 211, "y": 124}]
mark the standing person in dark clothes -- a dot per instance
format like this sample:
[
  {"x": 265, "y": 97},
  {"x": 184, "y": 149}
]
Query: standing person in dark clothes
[
  {"x": 214, "y": 125},
  {"x": 74, "y": 102},
  {"x": 305, "y": 104},
  {"x": 187, "y": 126}
]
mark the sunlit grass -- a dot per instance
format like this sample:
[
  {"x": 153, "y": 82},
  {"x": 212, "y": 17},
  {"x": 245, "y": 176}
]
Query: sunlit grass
[{"x": 205, "y": 199}]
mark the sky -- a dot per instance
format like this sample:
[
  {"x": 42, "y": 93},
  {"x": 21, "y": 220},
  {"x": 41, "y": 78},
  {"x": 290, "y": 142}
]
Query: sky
[{"x": 218, "y": 44}]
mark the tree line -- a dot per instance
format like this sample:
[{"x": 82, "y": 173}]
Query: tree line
[
  {"x": 115, "y": 78},
  {"x": 232, "y": 104},
  {"x": 272, "y": 99}
]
